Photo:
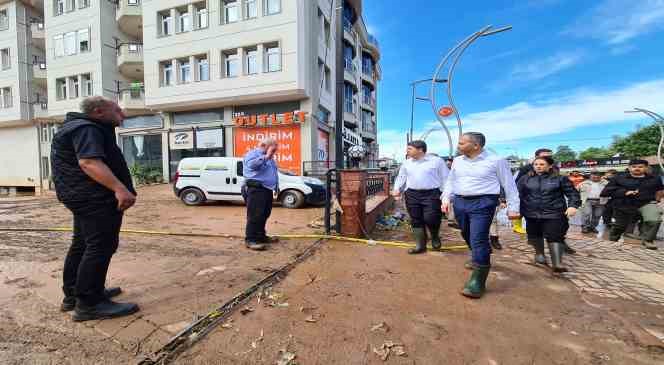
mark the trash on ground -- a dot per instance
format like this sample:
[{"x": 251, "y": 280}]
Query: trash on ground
[
  {"x": 389, "y": 347},
  {"x": 246, "y": 310},
  {"x": 311, "y": 319},
  {"x": 382, "y": 326},
  {"x": 286, "y": 358}
]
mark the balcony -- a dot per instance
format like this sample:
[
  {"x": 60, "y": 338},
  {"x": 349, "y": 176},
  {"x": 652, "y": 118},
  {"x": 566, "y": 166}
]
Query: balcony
[
  {"x": 368, "y": 102},
  {"x": 349, "y": 33},
  {"x": 132, "y": 101},
  {"x": 38, "y": 34},
  {"x": 130, "y": 60},
  {"x": 39, "y": 73},
  {"x": 40, "y": 110},
  {"x": 373, "y": 41},
  {"x": 350, "y": 71},
  {"x": 369, "y": 75},
  {"x": 129, "y": 15},
  {"x": 350, "y": 113}
]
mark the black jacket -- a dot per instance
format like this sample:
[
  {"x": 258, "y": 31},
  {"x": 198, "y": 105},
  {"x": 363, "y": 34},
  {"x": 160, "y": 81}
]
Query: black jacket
[
  {"x": 648, "y": 186},
  {"x": 73, "y": 186},
  {"x": 543, "y": 196}
]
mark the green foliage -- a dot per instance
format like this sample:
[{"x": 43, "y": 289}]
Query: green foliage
[
  {"x": 143, "y": 174},
  {"x": 643, "y": 142},
  {"x": 564, "y": 153},
  {"x": 593, "y": 153}
]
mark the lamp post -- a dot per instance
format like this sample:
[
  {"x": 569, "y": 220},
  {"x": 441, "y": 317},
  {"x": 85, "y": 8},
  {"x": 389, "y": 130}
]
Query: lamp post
[
  {"x": 660, "y": 123},
  {"x": 455, "y": 55},
  {"x": 412, "y": 101}
]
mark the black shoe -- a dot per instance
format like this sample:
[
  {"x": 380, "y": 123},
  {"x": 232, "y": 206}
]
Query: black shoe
[
  {"x": 269, "y": 240},
  {"x": 69, "y": 302},
  {"x": 103, "y": 310},
  {"x": 495, "y": 242},
  {"x": 594, "y": 230},
  {"x": 256, "y": 246}
]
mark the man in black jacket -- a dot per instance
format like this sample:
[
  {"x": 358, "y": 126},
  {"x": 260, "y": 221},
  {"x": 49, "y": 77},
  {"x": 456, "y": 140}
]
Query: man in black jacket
[
  {"x": 92, "y": 180},
  {"x": 635, "y": 194}
]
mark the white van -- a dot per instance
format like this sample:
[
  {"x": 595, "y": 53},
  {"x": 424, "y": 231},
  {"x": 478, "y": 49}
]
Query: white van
[{"x": 200, "y": 179}]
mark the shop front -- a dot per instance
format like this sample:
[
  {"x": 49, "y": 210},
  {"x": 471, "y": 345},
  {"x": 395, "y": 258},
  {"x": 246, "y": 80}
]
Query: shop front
[{"x": 141, "y": 141}]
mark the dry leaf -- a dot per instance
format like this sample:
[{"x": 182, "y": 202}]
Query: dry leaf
[
  {"x": 382, "y": 326},
  {"x": 310, "y": 319}
]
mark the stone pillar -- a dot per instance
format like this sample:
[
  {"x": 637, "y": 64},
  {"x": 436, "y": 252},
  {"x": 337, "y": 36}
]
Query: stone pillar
[{"x": 353, "y": 202}]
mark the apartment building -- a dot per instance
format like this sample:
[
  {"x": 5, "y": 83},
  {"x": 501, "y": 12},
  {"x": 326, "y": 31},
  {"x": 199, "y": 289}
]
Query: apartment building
[
  {"x": 208, "y": 77},
  {"x": 22, "y": 94}
]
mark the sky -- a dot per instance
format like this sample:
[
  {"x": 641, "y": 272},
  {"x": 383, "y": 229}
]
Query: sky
[{"x": 564, "y": 75}]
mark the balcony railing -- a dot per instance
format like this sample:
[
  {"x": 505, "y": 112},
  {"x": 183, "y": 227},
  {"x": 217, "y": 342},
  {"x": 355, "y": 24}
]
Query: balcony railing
[
  {"x": 41, "y": 110},
  {"x": 373, "y": 41},
  {"x": 368, "y": 99},
  {"x": 131, "y": 48},
  {"x": 133, "y": 98},
  {"x": 349, "y": 66},
  {"x": 350, "y": 106}
]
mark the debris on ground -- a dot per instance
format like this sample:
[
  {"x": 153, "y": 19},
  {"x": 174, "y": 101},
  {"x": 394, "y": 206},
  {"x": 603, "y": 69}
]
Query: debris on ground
[
  {"x": 246, "y": 310},
  {"x": 286, "y": 358},
  {"x": 389, "y": 347},
  {"x": 382, "y": 327},
  {"x": 254, "y": 343},
  {"x": 228, "y": 324},
  {"x": 276, "y": 300},
  {"x": 317, "y": 223},
  {"x": 307, "y": 309},
  {"x": 311, "y": 319}
]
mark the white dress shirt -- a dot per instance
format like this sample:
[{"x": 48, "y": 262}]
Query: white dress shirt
[
  {"x": 426, "y": 173},
  {"x": 483, "y": 175}
]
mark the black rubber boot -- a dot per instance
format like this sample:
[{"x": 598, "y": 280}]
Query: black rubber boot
[
  {"x": 420, "y": 241},
  {"x": 69, "y": 302},
  {"x": 435, "y": 238},
  {"x": 103, "y": 310},
  {"x": 495, "y": 242},
  {"x": 539, "y": 251},
  {"x": 556, "y": 253},
  {"x": 476, "y": 285}
]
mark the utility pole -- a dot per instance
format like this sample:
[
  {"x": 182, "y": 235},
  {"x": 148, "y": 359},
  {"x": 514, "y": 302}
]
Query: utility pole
[{"x": 339, "y": 74}]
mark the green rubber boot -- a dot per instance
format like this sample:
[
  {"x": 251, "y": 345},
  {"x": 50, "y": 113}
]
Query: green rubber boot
[
  {"x": 538, "y": 244},
  {"x": 556, "y": 253},
  {"x": 476, "y": 285},
  {"x": 435, "y": 238},
  {"x": 420, "y": 241}
]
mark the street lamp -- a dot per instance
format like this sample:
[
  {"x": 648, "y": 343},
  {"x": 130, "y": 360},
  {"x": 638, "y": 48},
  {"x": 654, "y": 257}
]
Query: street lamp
[
  {"x": 660, "y": 123},
  {"x": 413, "y": 98},
  {"x": 455, "y": 54}
]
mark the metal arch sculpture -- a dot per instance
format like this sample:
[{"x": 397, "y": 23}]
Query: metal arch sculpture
[
  {"x": 455, "y": 55},
  {"x": 660, "y": 123}
]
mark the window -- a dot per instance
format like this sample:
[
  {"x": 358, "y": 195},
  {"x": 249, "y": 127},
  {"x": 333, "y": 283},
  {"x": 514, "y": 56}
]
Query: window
[
  {"x": 6, "y": 97},
  {"x": 166, "y": 22},
  {"x": 348, "y": 98},
  {"x": 61, "y": 88},
  {"x": 232, "y": 64},
  {"x": 86, "y": 79},
  {"x": 272, "y": 7},
  {"x": 166, "y": 73},
  {"x": 184, "y": 20},
  {"x": 201, "y": 16},
  {"x": 83, "y": 4},
  {"x": 59, "y": 45},
  {"x": 185, "y": 70},
  {"x": 59, "y": 7},
  {"x": 203, "y": 68},
  {"x": 231, "y": 11},
  {"x": 74, "y": 90},
  {"x": 84, "y": 40},
  {"x": 251, "y": 9},
  {"x": 45, "y": 169},
  {"x": 71, "y": 5},
  {"x": 70, "y": 43},
  {"x": 44, "y": 134},
  {"x": 252, "y": 61},
  {"x": 4, "y": 19},
  {"x": 326, "y": 32},
  {"x": 327, "y": 79},
  {"x": 5, "y": 58},
  {"x": 273, "y": 58},
  {"x": 133, "y": 2}
]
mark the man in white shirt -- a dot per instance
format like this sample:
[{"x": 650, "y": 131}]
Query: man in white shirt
[
  {"x": 593, "y": 204},
  {"x": 474, "y": 187},
  {"x": 422, "y": 177}
]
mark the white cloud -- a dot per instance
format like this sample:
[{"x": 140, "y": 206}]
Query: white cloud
[
  {"x": 527, "y": 119},
  {"x": 618, "y": 21},
  {"x": 543, "y": 68}
]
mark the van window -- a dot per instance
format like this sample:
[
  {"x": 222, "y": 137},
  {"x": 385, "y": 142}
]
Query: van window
[{"x": 240, "y": 168}]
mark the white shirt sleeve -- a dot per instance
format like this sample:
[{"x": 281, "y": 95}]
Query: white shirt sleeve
[
  {"x": 400, "y": 181},
  {"x": 449, "y": 185},
  {"x": 508, "y": 184},
  {"x": 443, "y": 172}
]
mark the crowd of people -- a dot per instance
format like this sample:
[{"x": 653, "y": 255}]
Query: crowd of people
[{"x": 478, "y": 184}]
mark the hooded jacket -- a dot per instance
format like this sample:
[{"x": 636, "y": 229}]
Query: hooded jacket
[
  {"x": 543, "y": 196},
  {"x": 648, "y": 186}
]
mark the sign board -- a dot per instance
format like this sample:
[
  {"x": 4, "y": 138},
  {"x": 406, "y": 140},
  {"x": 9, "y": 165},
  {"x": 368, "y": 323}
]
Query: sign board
[
  {"x": 209, "y": 138},
  {"x": 183, "y": 140},
  {"x": 269, "y": 119},
  {"x": 288, "y": 136}
]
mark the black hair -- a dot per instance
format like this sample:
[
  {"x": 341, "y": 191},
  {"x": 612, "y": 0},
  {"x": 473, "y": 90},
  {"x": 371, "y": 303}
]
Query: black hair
[
  {"x": 537, "y": 153},
  {"x": 596, "y": 173},
  {"x": 476, "y": 137},
  {"x": 638, "y": 162},
  {"x": 420, "y": 145}
]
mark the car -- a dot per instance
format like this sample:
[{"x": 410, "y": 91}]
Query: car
[{"x": 202, "y": 179}]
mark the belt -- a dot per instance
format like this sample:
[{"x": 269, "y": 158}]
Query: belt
[
  {"x": 423, "y": 190},
  {"x": 471, "y": 197}
]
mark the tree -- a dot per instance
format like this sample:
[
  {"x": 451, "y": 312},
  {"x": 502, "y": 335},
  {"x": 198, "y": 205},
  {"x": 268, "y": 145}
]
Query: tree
[
  {"x": 564, "y": 153},
  {"x": 593, "y": 153},
  {"x": 643, "y": 142}
]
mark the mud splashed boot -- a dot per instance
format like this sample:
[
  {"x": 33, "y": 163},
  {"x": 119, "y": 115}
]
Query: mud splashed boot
[
  {"x": 420, "y": 241},
  {"x": 649, "y": 234},
  {"x": 476, "y": 285},
  {"x": 539, "y": 251},
  {"x": 556, "y": 252},
  {"x": 436, "y": 243}
]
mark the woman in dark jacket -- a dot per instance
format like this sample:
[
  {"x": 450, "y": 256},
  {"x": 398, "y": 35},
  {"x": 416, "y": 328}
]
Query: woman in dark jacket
[{"x": 543, "y": 192}]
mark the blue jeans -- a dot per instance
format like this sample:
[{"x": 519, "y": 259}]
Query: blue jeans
[{"x": 474, "y": 216}]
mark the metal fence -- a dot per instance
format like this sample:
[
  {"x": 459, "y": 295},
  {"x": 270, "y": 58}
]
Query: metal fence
[{"x": 374, "y": 185}]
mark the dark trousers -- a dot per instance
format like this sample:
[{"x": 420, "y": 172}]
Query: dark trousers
[
  {"x": 259, "y": 208},
  {"x": 553, "y": 230},
  {"x": 624, "y": 219},
  {"x": 474, "y": 216},
  {"x": 424, "y": 208},
  {"x": 95, "y": 240},
  {"x": 592, "y": 211},
  {"x": 607, "y": 215}
]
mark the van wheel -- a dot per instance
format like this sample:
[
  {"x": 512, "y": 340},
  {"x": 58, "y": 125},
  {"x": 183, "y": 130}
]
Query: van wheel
[
  {"x": 292, "y": 199},
  {"x": 192, "y": 196}
]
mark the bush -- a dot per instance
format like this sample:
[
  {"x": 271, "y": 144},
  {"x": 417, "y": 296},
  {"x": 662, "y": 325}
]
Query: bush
[{"x": 145, "y": 174}]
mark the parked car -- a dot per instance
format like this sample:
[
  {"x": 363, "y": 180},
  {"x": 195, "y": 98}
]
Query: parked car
[{"x": 201, "y": 179}]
